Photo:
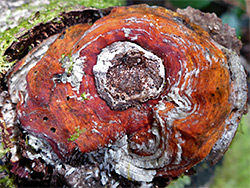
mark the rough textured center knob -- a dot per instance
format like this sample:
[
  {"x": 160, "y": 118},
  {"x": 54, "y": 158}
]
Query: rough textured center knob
[{"x": 126, "y": 75}]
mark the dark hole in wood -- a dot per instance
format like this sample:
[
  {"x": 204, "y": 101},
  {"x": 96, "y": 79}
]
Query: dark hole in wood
[
  {"x": 53, "y": 129},
  {"x": 45, "y": 118}
]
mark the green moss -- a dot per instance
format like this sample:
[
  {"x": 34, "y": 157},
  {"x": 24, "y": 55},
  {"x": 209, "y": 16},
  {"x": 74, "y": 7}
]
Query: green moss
[
  {"x": 88, "y": 3},
  {"x": 235, "y": 170},
  {"x": 84, "y": 96},
  {"x": 77, "y": 134},
  {"x": 5, "y": 181},
  {"x": 6, "y": 39}
]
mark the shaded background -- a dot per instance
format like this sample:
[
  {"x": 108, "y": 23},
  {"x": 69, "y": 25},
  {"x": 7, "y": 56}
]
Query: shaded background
[{"x": 233, "y": 170}]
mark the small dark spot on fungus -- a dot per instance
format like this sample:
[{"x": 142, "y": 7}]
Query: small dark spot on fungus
[
  {"x": 67, "y": 98},
  {"x": 57, "y": 78},
  {"x": 45, "y": 118},
  {"x": 53, "y": 129}
]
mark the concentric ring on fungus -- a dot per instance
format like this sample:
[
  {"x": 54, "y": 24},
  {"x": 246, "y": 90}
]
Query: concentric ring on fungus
[{"x": 143, "y": 82}]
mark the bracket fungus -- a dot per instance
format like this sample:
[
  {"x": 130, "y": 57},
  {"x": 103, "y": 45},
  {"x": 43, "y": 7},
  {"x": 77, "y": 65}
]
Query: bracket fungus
[{"x": 142, "y": 93}]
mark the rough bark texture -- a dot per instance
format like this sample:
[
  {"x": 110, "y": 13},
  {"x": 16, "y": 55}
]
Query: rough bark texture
[{"x": 221, "y": 33}]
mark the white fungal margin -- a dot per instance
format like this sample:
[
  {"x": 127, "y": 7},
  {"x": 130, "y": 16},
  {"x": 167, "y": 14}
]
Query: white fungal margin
[
  {"x": 238, "y": 97},
  {"x": 17, "y": 82},
  {"x": 46, "y": 152},
  {"x": 127, "y": 166}
]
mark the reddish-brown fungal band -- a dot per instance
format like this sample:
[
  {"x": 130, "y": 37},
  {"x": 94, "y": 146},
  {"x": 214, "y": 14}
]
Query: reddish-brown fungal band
[{"x": 143, "y": 81}]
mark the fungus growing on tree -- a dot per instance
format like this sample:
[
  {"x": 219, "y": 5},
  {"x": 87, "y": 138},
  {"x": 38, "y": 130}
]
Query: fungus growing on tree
[{"x": 142, "y": 93}]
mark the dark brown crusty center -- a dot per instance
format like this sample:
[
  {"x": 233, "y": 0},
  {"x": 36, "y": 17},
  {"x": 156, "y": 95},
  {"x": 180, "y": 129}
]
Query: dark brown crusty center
[
  {"x": 126, "y": 75},
  {"x": 132, "y": 73}
]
